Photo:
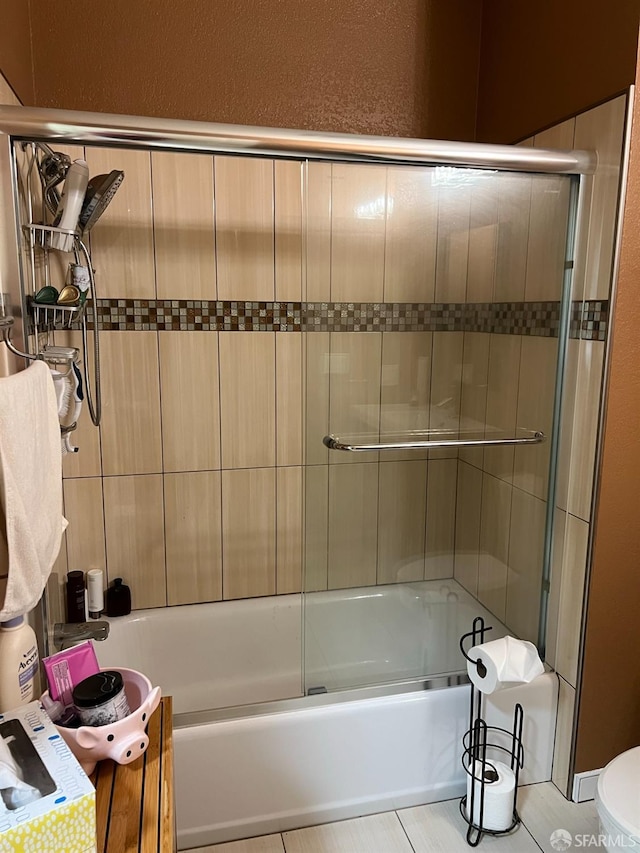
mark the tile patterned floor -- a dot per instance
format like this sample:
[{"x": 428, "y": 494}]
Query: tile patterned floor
[{"x": 436, "y": 828}]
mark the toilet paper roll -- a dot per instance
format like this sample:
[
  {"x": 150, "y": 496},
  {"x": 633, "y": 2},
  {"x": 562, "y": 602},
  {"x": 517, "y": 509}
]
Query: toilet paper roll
[
  {"x": 503, "y": 663},
  {"x": 497, "y": 814}
]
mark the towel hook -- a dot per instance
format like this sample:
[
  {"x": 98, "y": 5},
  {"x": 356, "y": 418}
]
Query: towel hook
[{"x": 6, "y": 324}]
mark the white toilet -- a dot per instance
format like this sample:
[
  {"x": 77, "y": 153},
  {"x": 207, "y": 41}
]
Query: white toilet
[{"x": 618, "y": 802}]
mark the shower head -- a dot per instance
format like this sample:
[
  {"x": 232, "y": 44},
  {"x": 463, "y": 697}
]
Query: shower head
[{"x": 100, "y": 191}]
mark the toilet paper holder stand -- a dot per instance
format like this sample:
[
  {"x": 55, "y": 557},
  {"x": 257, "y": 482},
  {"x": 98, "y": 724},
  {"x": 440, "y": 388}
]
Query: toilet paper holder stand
[{"x": 480, "y": 740}]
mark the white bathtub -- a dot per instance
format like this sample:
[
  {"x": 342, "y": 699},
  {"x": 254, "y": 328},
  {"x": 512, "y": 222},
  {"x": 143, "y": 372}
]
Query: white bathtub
[
  {"x": 309, "y": 759},
  {"x": 214, "y": 655},
  {"x": 375, "y": 635}
]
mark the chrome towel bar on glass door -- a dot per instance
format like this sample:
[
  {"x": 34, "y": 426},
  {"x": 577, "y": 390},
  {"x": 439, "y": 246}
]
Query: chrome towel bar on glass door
[{"x": 334, "y": 443}]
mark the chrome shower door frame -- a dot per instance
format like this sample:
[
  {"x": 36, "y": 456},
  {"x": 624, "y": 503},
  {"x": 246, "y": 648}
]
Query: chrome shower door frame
[{"x": 85, "y": 128}]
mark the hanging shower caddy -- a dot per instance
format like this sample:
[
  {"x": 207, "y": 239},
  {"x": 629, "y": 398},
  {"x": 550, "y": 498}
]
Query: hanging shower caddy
[
  {"x": 481, "y": 743},
  {"x": 49, "y": 317},
  {"x": 46, "y": 317},
  {"x": 47, "y": 309}
]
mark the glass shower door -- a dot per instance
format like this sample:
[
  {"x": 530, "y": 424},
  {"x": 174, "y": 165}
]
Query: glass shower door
[{"x": 434, "y": 296}]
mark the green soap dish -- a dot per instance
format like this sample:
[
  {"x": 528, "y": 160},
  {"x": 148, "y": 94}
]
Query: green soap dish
[{"x": 47, "y": 295}]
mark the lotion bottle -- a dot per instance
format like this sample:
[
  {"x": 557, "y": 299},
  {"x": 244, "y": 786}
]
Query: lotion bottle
[{"x": 19, "y": 680}]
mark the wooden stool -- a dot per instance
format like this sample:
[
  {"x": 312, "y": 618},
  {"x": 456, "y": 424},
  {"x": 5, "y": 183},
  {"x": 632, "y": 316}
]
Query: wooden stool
[{"x": 134, "y": 802}]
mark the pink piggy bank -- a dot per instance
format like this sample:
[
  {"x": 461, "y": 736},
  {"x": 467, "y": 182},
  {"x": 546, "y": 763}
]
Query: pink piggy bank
[{"x": 123, "y": 741}]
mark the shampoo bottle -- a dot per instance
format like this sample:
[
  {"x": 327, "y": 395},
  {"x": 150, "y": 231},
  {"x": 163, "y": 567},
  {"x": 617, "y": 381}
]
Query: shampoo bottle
[
  {"x": 18, "y": 664},
  {"x": 75, "y": 597}
]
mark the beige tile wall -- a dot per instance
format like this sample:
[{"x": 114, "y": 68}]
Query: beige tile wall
[
  {"x": 407, "y": 359},
  {"x": 402, "y": 507},
  {"x": 358, "y": 219},
  {"x": 483, "y": 241},
  {"x": 561, "y": 770},
  {"x": 411, "y": 235},
  {"x": 208, "y": 430},
  {"x": 122, "y": 248},
  {"x": 600, "y": 129},
  {"x": 514, "y": 199},
  {"x": 522, "y": 397},
  {"x": 441, "y": 518},
  {"x": 452, "y": 264},
  {"x": 389, "y": 384},
  {"x": 500, "y": 495},
  {"x": 244, "y": 228},
  {"x": 183, "y": 226},
  {"x": 391, "y": 518},
  {"x": 249, "y": 532},
  {"x": 191, "y": 489},
  {"x": 493, "y": 560},
  {"x": 193, "y": 536},
  {"x": 507, "y": 388}
]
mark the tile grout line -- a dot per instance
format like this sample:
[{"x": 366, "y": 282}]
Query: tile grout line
[
  {"x": 404, "y": 830},
  {"x": 214, "y": 192},
  {"x": 160, "y": 412}
]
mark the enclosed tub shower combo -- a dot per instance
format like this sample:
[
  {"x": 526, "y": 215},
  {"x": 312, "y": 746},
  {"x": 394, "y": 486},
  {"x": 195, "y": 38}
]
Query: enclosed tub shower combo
[{"x": 332, "y": 383}]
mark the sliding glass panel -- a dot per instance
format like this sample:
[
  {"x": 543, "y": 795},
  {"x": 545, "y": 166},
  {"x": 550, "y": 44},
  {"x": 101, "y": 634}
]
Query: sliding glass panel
[{"x": 434, "y": 298}]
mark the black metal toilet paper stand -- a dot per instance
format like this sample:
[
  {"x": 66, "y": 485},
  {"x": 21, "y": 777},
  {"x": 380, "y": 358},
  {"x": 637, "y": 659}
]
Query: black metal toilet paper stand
[{"x": 479, "y": 738}]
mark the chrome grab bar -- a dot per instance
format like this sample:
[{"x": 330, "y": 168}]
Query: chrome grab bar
[{"x": 334, "y": 443}]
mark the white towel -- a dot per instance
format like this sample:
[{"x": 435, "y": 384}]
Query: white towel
[{"x": 30, "y": 485}]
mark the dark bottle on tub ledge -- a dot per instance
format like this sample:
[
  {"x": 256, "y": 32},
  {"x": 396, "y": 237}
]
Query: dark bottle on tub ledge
[
  {"x": 118, "y": 599},
  {"x": 75, "y": 597}
]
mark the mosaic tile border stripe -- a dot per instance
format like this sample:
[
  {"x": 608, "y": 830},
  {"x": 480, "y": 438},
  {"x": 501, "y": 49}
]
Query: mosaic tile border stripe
[{"x": 589, "y": 319}]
